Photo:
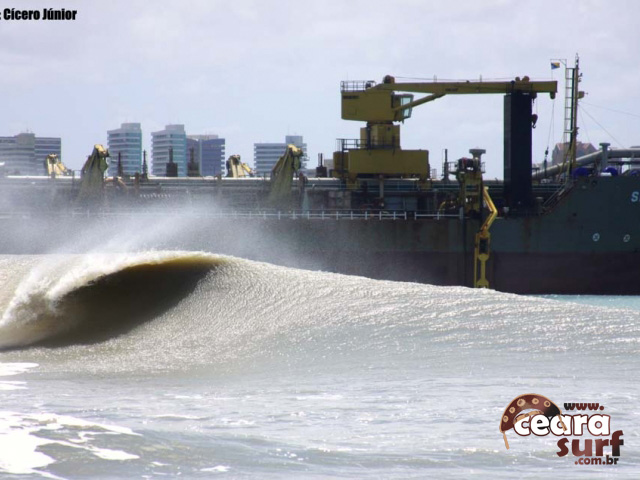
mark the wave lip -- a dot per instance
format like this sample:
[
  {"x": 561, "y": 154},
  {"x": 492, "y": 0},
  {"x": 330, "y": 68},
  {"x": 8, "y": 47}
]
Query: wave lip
[{"x": 91, "y": 298}]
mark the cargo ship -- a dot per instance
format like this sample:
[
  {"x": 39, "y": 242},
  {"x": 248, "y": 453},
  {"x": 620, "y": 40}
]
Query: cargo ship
[{"x": 375, "y": 209}]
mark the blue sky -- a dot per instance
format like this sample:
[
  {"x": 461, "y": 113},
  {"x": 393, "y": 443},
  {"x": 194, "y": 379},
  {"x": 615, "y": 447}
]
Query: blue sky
[{"x": 254, "y": 71}]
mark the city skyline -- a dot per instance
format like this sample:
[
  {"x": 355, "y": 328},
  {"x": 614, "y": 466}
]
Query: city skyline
[{"x": 128, "y": 140}]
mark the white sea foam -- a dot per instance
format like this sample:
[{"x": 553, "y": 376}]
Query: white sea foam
[
  {"x": 90, "y": 427},
  {"x": 18, "y": 446},
  {"x": 13, "y": 386},
  {"x": 109, "y": 454},
  {"x": 22, "y": 435},
  {"x": 216, "y": 469},
  {"x": 8, "y": 369}
]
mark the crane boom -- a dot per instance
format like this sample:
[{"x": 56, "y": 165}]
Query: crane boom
[
  {"x": 469, "y": 87},
  {"x": 377, "y": 103}
]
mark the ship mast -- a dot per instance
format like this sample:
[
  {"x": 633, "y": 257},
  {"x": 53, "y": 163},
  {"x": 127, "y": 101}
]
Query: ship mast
[{"x": 572, "y": 95}]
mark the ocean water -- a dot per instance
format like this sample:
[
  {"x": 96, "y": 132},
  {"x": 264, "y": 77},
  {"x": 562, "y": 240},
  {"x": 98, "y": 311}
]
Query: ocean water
[{"x": 162, "y": 364}]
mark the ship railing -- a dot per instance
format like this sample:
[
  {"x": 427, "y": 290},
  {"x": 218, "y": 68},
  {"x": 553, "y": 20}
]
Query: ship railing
[
  {"x": 356, "y": 85},
  {"x": 344, "y": 144},
  {"x": 239, "y": 214},
  {"x": 463, "y": 164}
]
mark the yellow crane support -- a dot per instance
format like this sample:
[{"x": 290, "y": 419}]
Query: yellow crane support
[
  {"x": 91, "y": 187},
  {"x": 282, "y": 174},
  {"x": 237, "y": 169},
  {"x": 54, "y": 166},
  {"x": 482, "y": 248}
]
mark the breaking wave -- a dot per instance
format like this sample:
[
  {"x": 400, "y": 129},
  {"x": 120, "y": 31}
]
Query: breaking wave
[
  {"x": 169, "y": 310},
  {"x": 93, "y": 298}
]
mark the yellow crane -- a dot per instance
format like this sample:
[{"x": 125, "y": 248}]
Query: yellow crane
[
  {"x": 378, "y": 151},
  {"x": 91, "y": 186},
  {"x": 482, "y": 246},
  {"x": 282, "y": 174},
  {"x": 237, "y": 169},
  {"x": 54, "y": 166}
]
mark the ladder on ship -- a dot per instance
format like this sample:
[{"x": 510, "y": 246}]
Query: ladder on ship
[{"x": 571, "y": 95}]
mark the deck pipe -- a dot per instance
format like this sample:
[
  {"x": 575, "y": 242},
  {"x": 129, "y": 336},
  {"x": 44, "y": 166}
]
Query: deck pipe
[{"x": 600, "y": 158}]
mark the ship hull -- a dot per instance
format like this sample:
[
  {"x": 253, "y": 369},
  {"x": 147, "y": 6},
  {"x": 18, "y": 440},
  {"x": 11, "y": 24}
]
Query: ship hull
[{"x": 588, "y": 242}]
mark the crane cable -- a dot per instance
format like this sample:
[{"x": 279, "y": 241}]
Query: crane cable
[
  {"x": 606, "y": 131},
  {"x": 611, "y": 109},
  {"x": 584, "y": 125},
  {"x": 551, "y": 128}
]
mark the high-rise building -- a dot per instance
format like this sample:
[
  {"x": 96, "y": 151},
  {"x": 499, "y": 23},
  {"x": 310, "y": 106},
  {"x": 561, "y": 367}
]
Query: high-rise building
[
  {"x": 173, "y": 136},
  {"x": 126, "y": 141},
  {"x": 25, "y": 154},
  {"x": 265, "y": 155},
  {"x": 208, "y": 152}
]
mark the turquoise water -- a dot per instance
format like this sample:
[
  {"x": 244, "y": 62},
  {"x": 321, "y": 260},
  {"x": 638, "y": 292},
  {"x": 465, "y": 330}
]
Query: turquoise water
[{"x": 609, "y": 301}]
